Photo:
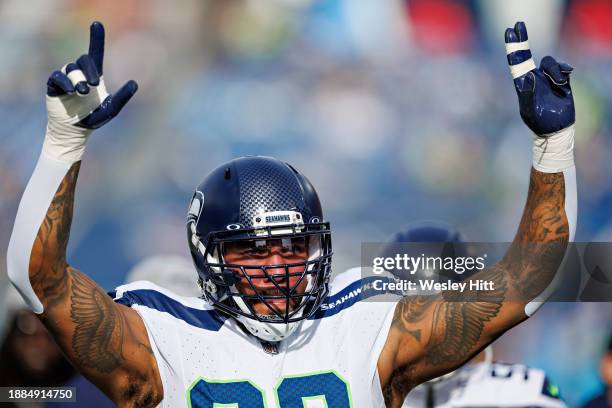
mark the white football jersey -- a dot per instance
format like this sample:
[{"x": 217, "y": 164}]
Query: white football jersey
[
  {"x": 206, "y": 360},
  {"x": 489, "y": 385}
]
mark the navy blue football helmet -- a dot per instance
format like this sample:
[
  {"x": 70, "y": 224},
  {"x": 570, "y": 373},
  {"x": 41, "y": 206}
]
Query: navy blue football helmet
[
  {"x": 256, "y": 202},
  {"x": 430, "y": 238},
  {"x": 429, "y": 231}
]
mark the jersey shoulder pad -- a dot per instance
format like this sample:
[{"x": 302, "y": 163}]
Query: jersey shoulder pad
[
  {"x": 344, "y": 279},
  {"x": 355, "y": 276},
  {"x": 347, "y": 289},
  {"x": 145, "y": 289},
  {"x": 192, "y": 310}
]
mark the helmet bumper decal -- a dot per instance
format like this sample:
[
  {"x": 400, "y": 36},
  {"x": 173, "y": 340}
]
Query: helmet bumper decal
[{"x": 292, "y": 220}]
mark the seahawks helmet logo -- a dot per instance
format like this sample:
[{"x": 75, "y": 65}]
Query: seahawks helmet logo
[{"x": 196, "y": 206}]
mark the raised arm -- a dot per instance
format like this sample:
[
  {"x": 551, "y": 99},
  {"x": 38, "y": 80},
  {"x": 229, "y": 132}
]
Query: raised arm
[
  {"x": 105, "y": 341},
  {"x": 432, "y": 335}
]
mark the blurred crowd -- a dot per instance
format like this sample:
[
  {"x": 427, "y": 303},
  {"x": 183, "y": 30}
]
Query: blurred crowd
[{"x": 396, "y": 111}]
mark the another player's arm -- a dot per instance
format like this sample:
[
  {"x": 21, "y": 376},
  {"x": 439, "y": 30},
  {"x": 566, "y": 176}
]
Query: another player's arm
[
  {"x": 105, "y": 341},
  {"x": 431, "y": 335}
]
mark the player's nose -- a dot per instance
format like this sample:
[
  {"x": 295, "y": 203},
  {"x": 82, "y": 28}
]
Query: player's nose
[
  {"x": 274, "y": 258},
  {"x": 274, "y": 266}
]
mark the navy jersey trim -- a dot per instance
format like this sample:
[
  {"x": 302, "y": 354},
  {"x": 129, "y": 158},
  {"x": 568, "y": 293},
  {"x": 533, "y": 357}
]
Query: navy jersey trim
[
  {"x": 355, "y": 292},
  {"x": 211, "y": 320},
  {"x": 204, "y": 319}
]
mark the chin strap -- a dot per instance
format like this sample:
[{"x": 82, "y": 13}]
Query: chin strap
[{"x": 269, "y": 332}]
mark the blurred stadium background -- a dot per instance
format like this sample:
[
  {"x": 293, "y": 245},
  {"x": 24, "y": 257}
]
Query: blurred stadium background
[{"x": 396, "y": 111}]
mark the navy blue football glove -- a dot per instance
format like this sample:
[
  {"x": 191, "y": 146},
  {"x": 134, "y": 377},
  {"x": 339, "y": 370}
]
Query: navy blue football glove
[
  {"x": 545, "y": 96},
  {"x": 78, "y": 102}
]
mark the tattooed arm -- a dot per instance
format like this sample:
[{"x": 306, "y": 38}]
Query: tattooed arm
[
  {"x": 432, "y": 335},
  {"x": 105, "y": 341}
]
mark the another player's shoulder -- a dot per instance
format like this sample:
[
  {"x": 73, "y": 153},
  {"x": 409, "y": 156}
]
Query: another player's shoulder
[
  {"x": 517, "y": 384},
  {"x": 520, "y": 373},
  {"x": 192, "y": 310}
]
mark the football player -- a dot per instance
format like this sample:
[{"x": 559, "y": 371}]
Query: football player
[
  {"x": 271, "y": 329},
  {"x": 481, "y": 382},
  {"x": 488, "y": 384}
]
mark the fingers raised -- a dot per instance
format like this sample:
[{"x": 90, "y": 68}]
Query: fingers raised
[
  {"x": 122, "y": 96},
  {"x": 110, "y": 107},
  {"x": 59, "y": 84},
  {"x": 558, "y": 73},
  {"x": 96, "y": 45},
  {"x": 87, "y": 65},
  {"x": 77, "y": 78},
  {"x": 518, "y": 51}
]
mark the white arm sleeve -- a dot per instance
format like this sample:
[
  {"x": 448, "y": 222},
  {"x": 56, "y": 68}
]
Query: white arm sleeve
[
  {"x": 37, "y": 197},
  {"x": 554, "y": 155}
]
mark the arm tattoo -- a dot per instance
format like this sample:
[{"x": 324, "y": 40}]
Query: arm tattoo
[
  {"x": 98, "y": 336},
  {"x": 458, "y": 323},
  {"x": 453, "y": 327},
  {"x": 100, "y": 329},
  {"x": 408, "y": 311},
  {"x": 402, "y": 380},
  {"x": 48, "y": 261},
  {"x": 541, "y": 240},
  {"x": 91, "y": 329}
]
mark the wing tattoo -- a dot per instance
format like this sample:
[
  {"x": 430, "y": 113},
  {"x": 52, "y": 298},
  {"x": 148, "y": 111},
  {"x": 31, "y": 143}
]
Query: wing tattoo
[
  {"x": 458, "y": 325},
  {"x": 97, "y": 340}
]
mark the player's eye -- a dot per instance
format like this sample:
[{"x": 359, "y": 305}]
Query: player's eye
[
  {"x": 257, "y": 251},
  {"x": 293, "y": 247},
  {"x": 297, "y": 246},
  {"x": 241, "y": 249}
]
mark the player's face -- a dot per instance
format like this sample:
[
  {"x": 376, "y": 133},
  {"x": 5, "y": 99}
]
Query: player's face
[{"x": 269, "y": 252}]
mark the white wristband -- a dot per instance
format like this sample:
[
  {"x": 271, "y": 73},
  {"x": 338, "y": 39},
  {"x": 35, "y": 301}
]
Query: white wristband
[
  {"x": 65, "y": 142},
  {"x": 554, "y": 153}
]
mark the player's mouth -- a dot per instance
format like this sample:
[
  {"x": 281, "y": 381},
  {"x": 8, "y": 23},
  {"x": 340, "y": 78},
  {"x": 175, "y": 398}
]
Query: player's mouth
[
  {"x": 279, "y": 303},
  {"x": 272, "y": 299},
  {"x": 275, "y": 297}
]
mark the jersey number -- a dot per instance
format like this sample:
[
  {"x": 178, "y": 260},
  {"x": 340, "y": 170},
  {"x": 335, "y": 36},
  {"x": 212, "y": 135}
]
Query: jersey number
[{"x": 291, "y": 392}]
